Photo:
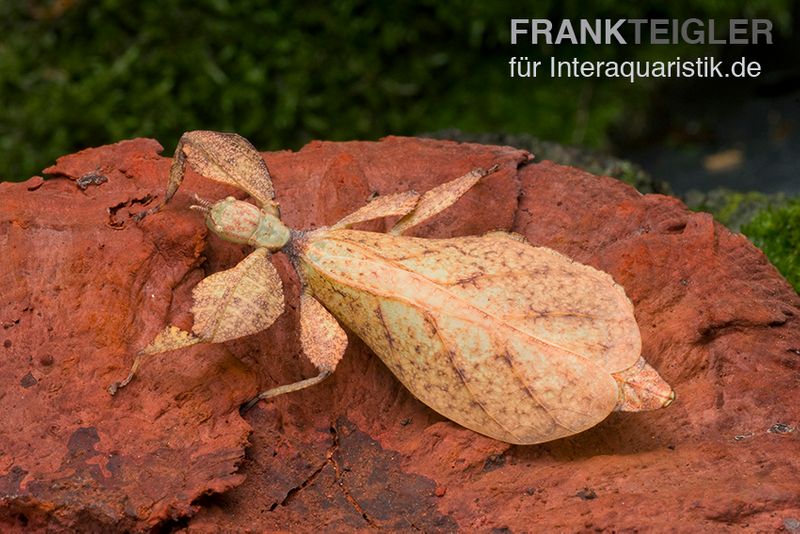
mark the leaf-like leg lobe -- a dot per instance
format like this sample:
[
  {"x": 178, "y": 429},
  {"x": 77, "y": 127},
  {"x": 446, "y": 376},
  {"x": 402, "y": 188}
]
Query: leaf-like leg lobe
[
  {"x": 321, "y": 337},
  {"x": 224, "y": 157},
  {"x": 238, "y": 302},
  {"x": 440, "y": 198},
  {"x": 385, "y": 206},
  {"x": 227, "y": 305}
]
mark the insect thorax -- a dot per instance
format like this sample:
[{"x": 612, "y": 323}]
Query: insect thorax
[{"x": 241, "y": 222}]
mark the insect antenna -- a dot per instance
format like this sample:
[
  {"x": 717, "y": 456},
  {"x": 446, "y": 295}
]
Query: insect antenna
[{"x": 202, "y": 204}]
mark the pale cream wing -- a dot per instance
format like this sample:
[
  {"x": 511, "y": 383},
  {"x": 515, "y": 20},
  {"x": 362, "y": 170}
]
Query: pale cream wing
[
  {"x": 537, "y": 290},
  {"x": 534, "y": 392},
  {"x": 171, "y": 338},
  {"x": 452, "y": 319}
]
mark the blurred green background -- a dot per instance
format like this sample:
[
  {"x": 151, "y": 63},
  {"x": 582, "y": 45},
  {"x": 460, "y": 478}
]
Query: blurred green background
[{"x": 79, "y": 73}]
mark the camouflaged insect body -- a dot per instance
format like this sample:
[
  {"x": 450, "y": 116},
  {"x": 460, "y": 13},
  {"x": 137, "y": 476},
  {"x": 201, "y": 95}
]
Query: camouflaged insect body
[
  {"x": 516, "y": 342},
  {"x": 488, "y": 331}
]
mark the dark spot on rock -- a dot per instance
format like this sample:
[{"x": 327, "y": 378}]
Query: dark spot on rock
[
  {"x": 671, "y": 447},
  {"x": 28, "y": 381},
  {"x": 501, "y": 530},
  {"x": 495, "y": 461},
  {"x": 9, "y": 483},
  {"x": 378, "y": 489},
  {"x": 794, "y": 351},
  {"x": 586, "y": 494},
  {"x": 676, "y": 227},
  {"x": 684, "y": 282},
  {"x": 530, "y": 491},
  {"x": 405, "y": 422},
  {"x": 82, "y": 441},
  {"x": 91, "y": 178},
  {"x": 7, "y": 343},
  {"x": 114, "y": 463},
  {"x": 46, "y": 359},
  {"x": 781, "y": 428},
  {"x": 119, "y": 212}
]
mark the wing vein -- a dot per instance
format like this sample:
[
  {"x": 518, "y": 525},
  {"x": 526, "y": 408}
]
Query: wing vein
[{"x": 464, "y": 381}]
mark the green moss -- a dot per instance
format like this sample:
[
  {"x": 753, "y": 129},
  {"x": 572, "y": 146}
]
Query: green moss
[
  {"x": 734, "y": 203},
  {"x": 596, "y": 162},
  {"x": 733, "y": 208},
  {"x": 85, "y": 73},
  {"x": 776, "y": 231}
]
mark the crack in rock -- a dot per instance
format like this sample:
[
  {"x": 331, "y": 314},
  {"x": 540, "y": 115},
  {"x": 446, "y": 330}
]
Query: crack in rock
[{"x": 338, "y": 470}]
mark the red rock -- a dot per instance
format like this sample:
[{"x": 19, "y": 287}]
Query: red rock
[{"x": 84, "y": 286}]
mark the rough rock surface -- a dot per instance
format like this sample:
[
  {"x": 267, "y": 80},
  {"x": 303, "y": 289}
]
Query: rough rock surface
[{"x": 83, "y": 286}]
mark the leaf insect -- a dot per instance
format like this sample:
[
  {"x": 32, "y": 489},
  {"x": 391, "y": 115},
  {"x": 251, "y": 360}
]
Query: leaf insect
[{"x": 517, "y": 342}]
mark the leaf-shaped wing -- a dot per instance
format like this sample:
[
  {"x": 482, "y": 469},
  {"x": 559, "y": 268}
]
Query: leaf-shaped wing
[
  {"x": 514, "y": 341},
  {"x": 225, "y": 157},
  {"x": 385, "y": 206},
  {"x": 238, "y": 302}
]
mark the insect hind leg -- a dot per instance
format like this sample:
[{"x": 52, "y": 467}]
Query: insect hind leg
[
  {"x": 440, "y": 198},
  {"x": 323, "y": 342},
  {"x": 286, "y": 388}
]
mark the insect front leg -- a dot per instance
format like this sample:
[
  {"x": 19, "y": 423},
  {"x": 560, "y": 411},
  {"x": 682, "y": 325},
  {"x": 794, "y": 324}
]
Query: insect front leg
[
  {"x": 224, "y": 157},
  {"x": 323, "y": 342}
]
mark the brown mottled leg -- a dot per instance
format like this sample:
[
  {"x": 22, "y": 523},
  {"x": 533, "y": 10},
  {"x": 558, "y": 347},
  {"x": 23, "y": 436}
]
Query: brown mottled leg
[
  {"x": 385, "y": 206},
  {"x": 171, "y": 338},
  {"x": 176, "y": 172},
  {"x": 112, "y": 389}
]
